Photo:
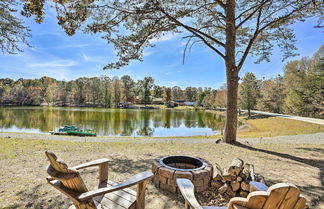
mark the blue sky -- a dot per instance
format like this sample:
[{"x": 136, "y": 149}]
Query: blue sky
[{"x": 57, "y": 55}]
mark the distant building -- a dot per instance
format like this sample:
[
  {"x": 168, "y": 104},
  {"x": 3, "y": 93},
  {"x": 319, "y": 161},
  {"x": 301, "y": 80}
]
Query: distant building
[
  {"x": 157, "y": 101},
  {"x": 179, "y": 102},
  {"x": 190, "y": 103}
]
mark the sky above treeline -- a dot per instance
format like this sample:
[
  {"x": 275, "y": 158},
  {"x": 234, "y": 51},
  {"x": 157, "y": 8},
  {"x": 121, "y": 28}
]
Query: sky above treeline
[{"x": 57, "y": 55}]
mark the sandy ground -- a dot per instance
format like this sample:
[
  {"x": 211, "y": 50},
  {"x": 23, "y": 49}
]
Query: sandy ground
[{"x": 294, "y": 159}]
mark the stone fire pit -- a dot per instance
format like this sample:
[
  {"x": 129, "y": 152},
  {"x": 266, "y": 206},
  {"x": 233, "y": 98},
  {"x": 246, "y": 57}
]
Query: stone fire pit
[{"x": 168, "y": 169}]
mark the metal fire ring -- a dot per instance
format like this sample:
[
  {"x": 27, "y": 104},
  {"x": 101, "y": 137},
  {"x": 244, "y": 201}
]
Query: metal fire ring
[{"x": 182, "y": 159}]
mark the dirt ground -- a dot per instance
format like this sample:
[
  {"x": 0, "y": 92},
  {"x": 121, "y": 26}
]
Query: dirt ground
[{"x": 23, "y": 163}]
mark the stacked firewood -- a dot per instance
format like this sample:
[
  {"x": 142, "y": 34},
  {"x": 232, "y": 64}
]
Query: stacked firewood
[{"x": 235, "y": 180}]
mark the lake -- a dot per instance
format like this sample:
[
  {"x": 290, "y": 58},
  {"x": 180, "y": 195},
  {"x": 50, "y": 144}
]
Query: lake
[{"x": 111, "y": 122}]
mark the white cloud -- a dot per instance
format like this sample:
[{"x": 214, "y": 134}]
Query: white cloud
[
  {"x": 69, "y": 46},
  {"x": 54, "y": 64},
  {"x": 58, "y": 73},
  {"x": 148, "y": 53},
  {"x": 98, "y": 59},
  {"x": 166, "y": 37}
]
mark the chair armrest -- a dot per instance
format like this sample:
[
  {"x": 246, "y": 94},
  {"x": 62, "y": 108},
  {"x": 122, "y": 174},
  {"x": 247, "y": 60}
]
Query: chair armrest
[
  {"x": 239, "y": 207},
  {"x": 187, "y": 191},
  {"x": 91, "y": 163},
  {"x": 257, "y": 186},
  {"x": 136, "y": 179}
]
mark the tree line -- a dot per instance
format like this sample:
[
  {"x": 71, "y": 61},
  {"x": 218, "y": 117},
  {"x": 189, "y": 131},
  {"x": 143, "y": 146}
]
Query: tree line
[
  {"x": 299, "y": 91},
  {"x": 100, "y": 91}
]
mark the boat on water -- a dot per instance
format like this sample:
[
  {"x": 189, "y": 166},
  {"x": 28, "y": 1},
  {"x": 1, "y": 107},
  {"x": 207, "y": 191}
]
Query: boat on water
[{"x": 73, "y": 131}]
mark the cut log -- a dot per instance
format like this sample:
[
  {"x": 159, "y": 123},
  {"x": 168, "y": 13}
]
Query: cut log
[
  {"x": 226, "y": 176},
  {"x": 245, "y": 186},
  {"x": 216, "y": 184},
  {"x": 252, "y": 172},
  {"x": 236, "y": 167},
  {"x": 217, "y": 170},
  {"x": 245, "y": 174},
  {"x": 239, "y": 178},
  {"x": 223, "y": 189},
  {"x": 235, "y": 185},
  {"x": 230, "y": 192},
  {"x": 244, "y": 194},
  {"x": 218, "y": 174},
  {"x": 218, "y": 177}
]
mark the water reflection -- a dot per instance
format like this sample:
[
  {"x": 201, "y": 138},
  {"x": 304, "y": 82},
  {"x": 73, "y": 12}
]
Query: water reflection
[{"x": 111, "y": 122}]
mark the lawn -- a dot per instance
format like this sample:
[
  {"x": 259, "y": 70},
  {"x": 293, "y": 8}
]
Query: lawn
[
  {"x": 273, "y": 126},
  {"x": 23, "y": 163}
]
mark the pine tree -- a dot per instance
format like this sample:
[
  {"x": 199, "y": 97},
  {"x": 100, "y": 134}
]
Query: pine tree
[{"x": 249, "y": 92}]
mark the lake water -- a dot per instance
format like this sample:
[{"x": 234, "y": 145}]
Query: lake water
[{"x": 111, "y": 122}]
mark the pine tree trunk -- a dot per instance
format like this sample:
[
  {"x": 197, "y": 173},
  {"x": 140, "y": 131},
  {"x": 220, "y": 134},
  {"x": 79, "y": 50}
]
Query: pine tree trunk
[
  {"x": 249, "y": 110},
  {"x": 231, "y": 106},
  {"x": 231, "y": 75}
]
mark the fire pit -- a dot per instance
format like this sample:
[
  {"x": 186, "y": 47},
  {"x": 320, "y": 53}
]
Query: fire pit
[{"x": 168, "y": 169}]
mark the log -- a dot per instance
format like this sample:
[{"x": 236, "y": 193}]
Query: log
[
  {"x": 217, "y": 170},
  {"x": 216, "y": 184},
  {"x": 245, "y": 174},
  {"x": 235, "y": 185},
  {"x": 226, "y": 176},
  {"x": 239, "y": 178},
  {"x": 218, "y": 177},
  {"x": 235, "y": 167},
  {"x": 245, "y": 186},
  {"x": 244, "y": 194},
  {"x": 230, "y": 192},
  {"x": 223, "y": 189},
  {"x": 218, "y": 174},
  {"x": 252, "y": 172}
]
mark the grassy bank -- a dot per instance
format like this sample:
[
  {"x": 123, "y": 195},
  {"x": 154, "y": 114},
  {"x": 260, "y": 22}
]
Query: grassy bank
[
  {"x": 23, "y": 163},
  {"x": 273, "y": 126}
]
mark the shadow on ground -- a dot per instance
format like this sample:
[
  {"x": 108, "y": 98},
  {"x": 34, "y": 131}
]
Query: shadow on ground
[
  {"x": 33, "y": 198},
  {"x": 255, "y": 116}
]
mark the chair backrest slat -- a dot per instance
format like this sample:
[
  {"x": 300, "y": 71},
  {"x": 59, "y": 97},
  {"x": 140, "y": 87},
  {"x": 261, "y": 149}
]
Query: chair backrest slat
[
  {"x": 278, "y": 196},
  {"x": 301, "y": 202},
  {"x": 69, "y": 177},
  {"x": 257, "y": 199},
  {"x": 291, "y": 198}
]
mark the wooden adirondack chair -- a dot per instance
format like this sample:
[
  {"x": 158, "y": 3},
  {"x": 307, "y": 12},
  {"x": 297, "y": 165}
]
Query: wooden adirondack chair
[
  {"x": 108, "y": 195},
  {"x": 282, "y": 195}
]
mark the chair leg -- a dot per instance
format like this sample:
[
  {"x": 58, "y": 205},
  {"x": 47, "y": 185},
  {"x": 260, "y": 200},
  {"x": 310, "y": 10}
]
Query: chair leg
[
  {"x": 103, "y": 174},
  {"x": 140, "y": 196},
  {"x": 187, "y": 206}
]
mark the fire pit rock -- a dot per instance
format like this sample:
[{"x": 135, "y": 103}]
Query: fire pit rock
[{"x": 168, "y": 169}]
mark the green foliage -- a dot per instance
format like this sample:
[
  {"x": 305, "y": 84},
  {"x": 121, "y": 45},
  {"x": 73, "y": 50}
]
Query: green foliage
[
  {"x": 176, "y": 93},
  {"x": 305, "y": 79},
  {"x": 129, "y": 86},
  {"x": 190, "y": 94},
  {"x": 249, "y": 92},
  {"x": 13, "y": 33},
  {"x": 272, "y": 95},
  {"x": 166, "y": 95},
  {"x": 157, "y": 91},
  {"x": 146, "y": 86}
]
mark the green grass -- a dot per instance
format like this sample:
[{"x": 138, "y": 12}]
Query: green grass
[{"x": 272, "y": 126}]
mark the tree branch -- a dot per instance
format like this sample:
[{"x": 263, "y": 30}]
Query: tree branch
[
  {"x": 251, "y": 14},
  {"x": 195, "y": 32},
  {"x": 247, "y": 50},
  {"x": 259, "y": 30},
  {"x": 221, "y": 4}
]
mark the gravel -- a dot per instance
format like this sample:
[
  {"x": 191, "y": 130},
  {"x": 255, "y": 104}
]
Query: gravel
[{"x": 317, "y": 138}]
